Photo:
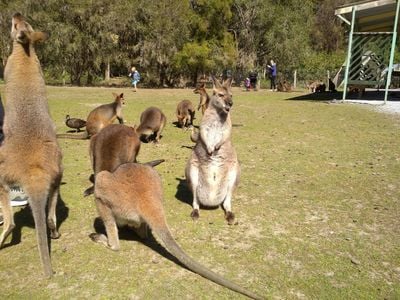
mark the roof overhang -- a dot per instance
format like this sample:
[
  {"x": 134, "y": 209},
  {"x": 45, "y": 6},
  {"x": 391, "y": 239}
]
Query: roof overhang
[{"x": 371, "y": 16}]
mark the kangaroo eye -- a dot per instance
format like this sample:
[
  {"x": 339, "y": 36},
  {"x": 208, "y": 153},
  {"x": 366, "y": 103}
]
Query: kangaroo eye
[{"x": 221, "y": 95}]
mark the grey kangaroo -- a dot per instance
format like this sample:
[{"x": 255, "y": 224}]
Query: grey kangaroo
[
  {"x": 213, "y": 170},
  {"x": 132, "y": 195},
  {"x": 100, "y": 117},
  {"x": 185, "y": 113},
  {"x": 30, "y": 156},
  {"x": 152, "y": 123}
]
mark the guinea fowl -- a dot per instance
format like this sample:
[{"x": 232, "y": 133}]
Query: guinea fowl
[{"x": 75, "y": 123}]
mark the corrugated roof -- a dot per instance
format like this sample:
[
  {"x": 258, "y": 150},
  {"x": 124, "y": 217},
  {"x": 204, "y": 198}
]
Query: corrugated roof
[{"x": 371, "y": 16}]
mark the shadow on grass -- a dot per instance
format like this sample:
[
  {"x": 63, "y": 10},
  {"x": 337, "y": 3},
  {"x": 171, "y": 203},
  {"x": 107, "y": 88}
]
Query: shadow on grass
[
  {"x": 24, "y": 218},
  {"x": 128, "y": 234},
  {"x": 329, "y": 96}
]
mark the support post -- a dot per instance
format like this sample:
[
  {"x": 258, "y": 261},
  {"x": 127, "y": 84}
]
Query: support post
[
  {"x": 394, "y": 37},
  {"x": 348, "y": 59}
]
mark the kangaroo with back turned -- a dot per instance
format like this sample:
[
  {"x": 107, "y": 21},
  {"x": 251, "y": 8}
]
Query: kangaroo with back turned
[
  {"x": 30, "y": 156},
  {"x": 204, "y": 98},
  {"x": 132, "y": 195},
  {"x": 213, "y": 169},
  {"x": 152, "y": 123},
  {"x": 185, "y": 113},
  {"x": 100, "y": 117}
]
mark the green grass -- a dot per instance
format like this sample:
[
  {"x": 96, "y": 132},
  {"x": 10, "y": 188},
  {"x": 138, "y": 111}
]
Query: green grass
[{"x": 317, "y": 208}]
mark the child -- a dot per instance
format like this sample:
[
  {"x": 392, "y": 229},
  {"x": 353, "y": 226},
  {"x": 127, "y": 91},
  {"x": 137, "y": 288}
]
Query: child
[{"x": 135, "y": 77}]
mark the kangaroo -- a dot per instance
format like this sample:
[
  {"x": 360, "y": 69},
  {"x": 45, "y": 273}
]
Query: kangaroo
[
  {"x": 132, "y": 195},
  {"x": 74, "y": 123},
  {"x": 30, "y": 156},
  {"x": 100, "y": 117},
  {"x": 204, "y": 98},
  {"x": 185, "y": 113},
  {"x": 115, "y": 145},
  {"x": 213, "y": 170},
  {"x": 152, "y": 123}
]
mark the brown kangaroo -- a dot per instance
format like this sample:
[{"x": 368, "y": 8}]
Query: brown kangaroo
[
  {"x": 204, "y": 98},
  {"x": 152, "y": 123},
  {"x": 113, "y": 146},
  {"x": 213, "y": 169},
  {"x": 30, "y": 156},
  {"x": 100, "y": 117},
  {"x": 185, "y": 113},
  {"x": 132, "y": 195}
]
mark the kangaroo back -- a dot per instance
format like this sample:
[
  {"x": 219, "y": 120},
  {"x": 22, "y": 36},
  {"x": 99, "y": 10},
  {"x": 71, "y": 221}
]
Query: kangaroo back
[
  {"x": 152, "y": 123},
  {"x": 185, "y": 113},
  {"x": 30, "y": 156}
]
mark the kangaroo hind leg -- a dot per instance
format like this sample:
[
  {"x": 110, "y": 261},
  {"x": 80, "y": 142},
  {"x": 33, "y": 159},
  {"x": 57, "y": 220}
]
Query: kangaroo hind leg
[
  {"x": 52, "y": 205},
  {"x": 7, "y": 215}
]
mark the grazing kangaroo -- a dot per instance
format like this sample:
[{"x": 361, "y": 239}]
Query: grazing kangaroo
[
  {"x": 204, "y": 98},
  {"x": 213, "y": 170},
  {"x": 185, "y": 113},
  {"x": 132, "y": 195},
  {"x": 30, "y": 156},
  {"x": 74, "y": 123},
  {"x": 152, "y": 123},
  {"x": 100, "y": 117}
]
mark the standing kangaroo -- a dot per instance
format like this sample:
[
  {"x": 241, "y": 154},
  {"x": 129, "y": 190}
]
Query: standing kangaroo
[
  {"x": 152, "y": 123},
  {"x": 132, "y": 195},
  {"x": 100, "y": 117},
  {"x": 213, "y": 170},
  {"x": 185, "y": 113},
  {"x": 30, "y": 156},
  {"x": 204, "y": 98}
]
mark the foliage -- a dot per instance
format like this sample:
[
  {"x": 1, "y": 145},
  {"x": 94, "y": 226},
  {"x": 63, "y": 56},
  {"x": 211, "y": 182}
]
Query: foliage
[{"x": 173, "y": 41}]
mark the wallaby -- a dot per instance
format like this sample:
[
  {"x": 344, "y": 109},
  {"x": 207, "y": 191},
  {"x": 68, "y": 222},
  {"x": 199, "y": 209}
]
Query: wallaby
[
  {"x": 213, "y": 169},
  {"x": 30, "y": 156},
  {"x": 204, "y": 98},
  {"x": 100, "y": 117},
  {"x": 152, "y": 123},
  {"x": 132, "y": 195},
  {"x": 74, "y": 123},
  {"x": 113, "y": 146},
  {"x": 185, "y": 113}
]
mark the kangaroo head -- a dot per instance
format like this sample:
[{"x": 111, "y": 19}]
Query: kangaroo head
[
  {"x": 119, "y": 98},
  {"x": 222, "y": 96},
  {"x": 200, "y": 89},
  {"x": 23, "y": 33}
]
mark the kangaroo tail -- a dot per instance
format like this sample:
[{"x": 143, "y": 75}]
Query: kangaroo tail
[{"x": 83, "y": 136}]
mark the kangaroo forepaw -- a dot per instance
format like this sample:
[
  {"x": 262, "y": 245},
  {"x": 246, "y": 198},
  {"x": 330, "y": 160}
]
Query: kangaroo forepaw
[
  {"x": 195, "y": 214},
  {"x": 230, "y": 217}
]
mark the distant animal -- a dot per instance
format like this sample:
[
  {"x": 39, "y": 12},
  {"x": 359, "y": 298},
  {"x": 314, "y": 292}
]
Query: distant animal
[
  {"x": 320, "y": 88},
  {"x": 213, "y": 170},
  {"x": 100, "y": 117},
  {"x": 30, "y": 156},
  {"x": 204, "y": 98},
  {"x": 152, "y": 123},
  {"x": 185, "y": 113},
  {"x": 284, "y": 86},
  {"x": 132, "y": 195},
  {"x": 359, "y": 89},
  {"x": 74, "y": 123}
]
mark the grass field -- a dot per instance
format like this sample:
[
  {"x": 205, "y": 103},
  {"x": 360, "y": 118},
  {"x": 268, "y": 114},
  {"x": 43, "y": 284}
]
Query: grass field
[{"x": 317, "y": 208}]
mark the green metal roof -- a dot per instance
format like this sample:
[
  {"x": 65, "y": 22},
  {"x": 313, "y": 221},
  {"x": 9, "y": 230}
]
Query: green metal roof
[{"x": 372, "y": 16}]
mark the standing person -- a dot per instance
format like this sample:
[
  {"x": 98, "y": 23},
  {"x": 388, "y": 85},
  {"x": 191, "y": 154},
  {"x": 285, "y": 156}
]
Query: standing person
[
  {"x": 272, "y": 74},
  {"x": 135, "y": 78}
]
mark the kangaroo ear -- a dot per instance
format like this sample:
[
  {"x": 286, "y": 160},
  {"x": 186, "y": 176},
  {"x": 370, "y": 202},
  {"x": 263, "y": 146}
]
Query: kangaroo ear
[
  {"x": 216, "y": 84},
  {"x": 16, "y": 20},
  {"x": 228, "y": 83},
  {"x": 122, "y": 95},
  {"x": 39, "y": 36},
  {"x": 115, "y": 95}
]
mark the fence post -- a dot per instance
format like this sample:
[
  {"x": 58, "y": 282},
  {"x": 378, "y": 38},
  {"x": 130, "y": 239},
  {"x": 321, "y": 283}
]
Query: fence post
[{"x": 295, "y": 79}]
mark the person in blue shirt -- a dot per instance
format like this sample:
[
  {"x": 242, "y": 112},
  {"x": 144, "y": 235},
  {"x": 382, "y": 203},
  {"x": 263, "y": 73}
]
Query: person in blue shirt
[
  {"x": 272, "y": 74},
  {"x": 135, "y": 78}
]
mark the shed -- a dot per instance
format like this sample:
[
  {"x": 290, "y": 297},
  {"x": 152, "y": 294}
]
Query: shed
[{"x": 371, "y": 42}]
